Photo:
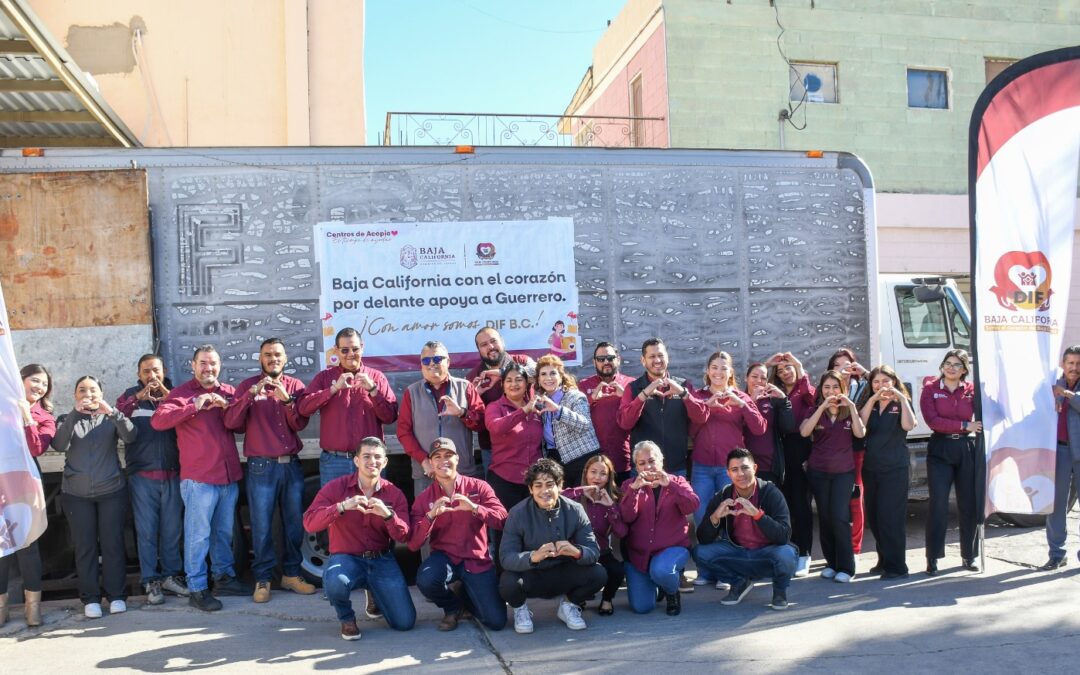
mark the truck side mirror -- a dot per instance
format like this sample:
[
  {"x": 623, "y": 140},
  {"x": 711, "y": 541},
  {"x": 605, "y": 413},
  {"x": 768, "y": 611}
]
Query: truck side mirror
[{"x": 926, "y": 294}]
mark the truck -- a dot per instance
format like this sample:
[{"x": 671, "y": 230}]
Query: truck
[{"x": 109, "y": 254}]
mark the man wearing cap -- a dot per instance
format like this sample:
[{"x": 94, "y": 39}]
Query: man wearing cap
[{"x": 453, "y": 516}]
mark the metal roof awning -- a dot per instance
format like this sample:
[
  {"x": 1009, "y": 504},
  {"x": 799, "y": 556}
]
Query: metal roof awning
[{"x": 45, "y": 99}]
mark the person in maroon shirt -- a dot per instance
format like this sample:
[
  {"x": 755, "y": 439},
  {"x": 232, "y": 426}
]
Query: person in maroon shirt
[
  {"x": 605, "y": 390},
  {"x": 786, "y": 373},
  {"x": 365, "y": 515},
  {"x": 948, "y": 406},
  {"x": 833, "y": 428},
  {"x": 775, "y": 408},
  {"x": 1067, "y": 455},
  {"x": 517, "y": 433},
  {"x": 209, "y": 473},
  {"x": 353, "y": 402},
  {"x": 39, "y": 427},
  {"x": 486, "y": 376},
  {"x": 599, "y": 494},
  {"x": 265, "y": 411},
  {"x": 454, "y": 515},
  {"x": 855, "y": 379}
]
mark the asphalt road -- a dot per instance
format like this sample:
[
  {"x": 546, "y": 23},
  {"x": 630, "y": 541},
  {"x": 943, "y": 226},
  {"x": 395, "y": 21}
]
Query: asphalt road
[{"x": 1009, "y": 618}]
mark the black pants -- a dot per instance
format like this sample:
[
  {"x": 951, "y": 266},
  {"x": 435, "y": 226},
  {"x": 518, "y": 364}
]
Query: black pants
[
  {"x": 951, "y": 462},
  {"x": 579, "y": 583},
  {"x": 796, "y": 489},
  {"x": 95, "y": 522},
  {"x": 615, "y": 574},
  {"x": 885, "y": 499},
  {"x": 832, "y": 493},
  {"x": 508, "y": 493},
  {"x": 574, "y": 468},
  {"x": 29, "y": 560}
]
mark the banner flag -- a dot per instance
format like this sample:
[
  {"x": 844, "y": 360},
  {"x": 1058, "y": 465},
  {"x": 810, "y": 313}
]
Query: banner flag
[
  {"x": 22, "y": 500},
  {"x": 402, "y": 284},
  {"x": 1024, "y": 149}
]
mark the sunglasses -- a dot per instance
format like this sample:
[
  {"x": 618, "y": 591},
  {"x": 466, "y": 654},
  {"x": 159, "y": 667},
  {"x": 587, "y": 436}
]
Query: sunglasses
[
  {"x": 350, "y": 350},
  {"x": 428, "y": 360},
  {"x": 605, "y": 359}
]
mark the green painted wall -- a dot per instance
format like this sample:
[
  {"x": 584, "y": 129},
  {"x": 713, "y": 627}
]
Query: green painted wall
[{"x": 727, "y": 81}]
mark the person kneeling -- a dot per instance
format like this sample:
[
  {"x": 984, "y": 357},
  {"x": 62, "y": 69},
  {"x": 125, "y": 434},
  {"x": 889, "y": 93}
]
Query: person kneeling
[
  {"x": 548, "y": 550},
  {"x": 747, "y": 534}
]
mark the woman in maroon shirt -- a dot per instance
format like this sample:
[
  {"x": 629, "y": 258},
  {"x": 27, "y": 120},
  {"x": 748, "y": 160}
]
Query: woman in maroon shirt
[
  {"x": 833, "y": 428},
  {"x": 855, "y": 380},
  {"x": 948, "y": 406},
  {"x": 516, "y": 435},
  {"x": 40, "y": 427},
  {"x": 600, "y": 495},
  {"x": 775, "y": 408}
]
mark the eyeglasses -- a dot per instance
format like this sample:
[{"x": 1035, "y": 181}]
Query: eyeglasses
[
  {"x": 428, "y": 360},
  {"x": 952, "y": 364},
  {"x": 350, "y": 350},
  {"x": 605, "y": 359}
]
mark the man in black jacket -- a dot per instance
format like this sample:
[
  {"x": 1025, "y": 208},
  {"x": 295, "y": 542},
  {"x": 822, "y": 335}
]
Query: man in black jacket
[{"x": 747, "y": 534}]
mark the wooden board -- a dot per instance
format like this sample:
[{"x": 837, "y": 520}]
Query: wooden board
[{"x": 75, "y": 249}]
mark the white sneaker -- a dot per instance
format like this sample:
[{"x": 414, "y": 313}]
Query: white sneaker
[
  {"x": 570, "y": 614},
  {"x": 723, "y": 586},
  {"x": 117, "y": 607},
  {"x": 92, "y": 610},
  {"x": 802, "y": 568},
  {"x": 701, "y": 581},
  {"x": 843, "y": 578},
  {"x": 828, "y": 573},
  {"x": 523, "y": 619}
]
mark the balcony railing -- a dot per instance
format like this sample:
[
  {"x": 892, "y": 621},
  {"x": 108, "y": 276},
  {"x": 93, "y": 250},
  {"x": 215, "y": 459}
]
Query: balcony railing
[{"x": 427, "y": 128}]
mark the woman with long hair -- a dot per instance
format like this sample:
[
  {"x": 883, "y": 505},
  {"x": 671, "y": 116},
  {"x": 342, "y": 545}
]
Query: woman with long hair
[
  {"x": 569, "y": 436},
  {"x": 600, "y": 495},
  {"x": 854, "y": 374},
  {"x": 775, "y": 408}
]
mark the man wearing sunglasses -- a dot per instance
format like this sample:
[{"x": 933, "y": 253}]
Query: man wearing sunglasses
[
  {"x": 439, "y": 406},
  {"x": 604, "y": 390}
]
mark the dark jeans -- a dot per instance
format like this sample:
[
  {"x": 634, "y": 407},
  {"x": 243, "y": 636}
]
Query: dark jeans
[
  {"x": 886, "y": 515},
  {"x": 97, "y": 527},
  {"x": 796, "y": 489},
  {"x": 159, "y": 526},
  {"x": 269, "y": 485},
  {"x": 579, "y": 583},
  {"x": 481, "y": 589},
  {"x": 381, "y": 576},
  {"x": 616, "y": 573},
  {"x": 730, "y": 563},
  {"x": 29, "y": 560},
  {"x": 334, "y": 465},
  {"x": 832, "y": 493},
  {"x": 951, "y": 461},
  {"x": 509, "y": 494}
]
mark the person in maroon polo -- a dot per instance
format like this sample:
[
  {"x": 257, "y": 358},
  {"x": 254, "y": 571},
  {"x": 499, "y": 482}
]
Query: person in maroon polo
[
  {"x": 486, "y": 376},
  {"x": 517, "y": 434},
  {"x": 365, "y": 515},
  {"x": 265, "y": 411},
  {"x": 454, "y": 515},
  {"x": 605, "y": 390},
  {"x": 209, "y": 473},
  {"x": 353, "y": 402}
]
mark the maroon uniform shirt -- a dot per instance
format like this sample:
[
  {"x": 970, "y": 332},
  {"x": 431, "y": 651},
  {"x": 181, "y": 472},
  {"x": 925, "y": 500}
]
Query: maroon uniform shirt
[{"x": 355, "y": 532}]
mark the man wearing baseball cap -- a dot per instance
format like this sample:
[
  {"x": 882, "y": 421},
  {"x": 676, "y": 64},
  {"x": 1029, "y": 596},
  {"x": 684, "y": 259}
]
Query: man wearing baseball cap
[{"x": 452, "y": 516}]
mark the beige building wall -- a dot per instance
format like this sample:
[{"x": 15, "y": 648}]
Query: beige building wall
[{"x": 222, "y": 72}]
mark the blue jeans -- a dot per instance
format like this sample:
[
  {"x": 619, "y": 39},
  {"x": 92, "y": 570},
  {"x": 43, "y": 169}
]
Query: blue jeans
[
  {"x": 485, "y": 459},
  {"x": 1066, "y": 473},
  {"x": 664, "y": 570},
  {"x": 381, "y": 576},
  {"x": 334, "y": 465},
  {"x": 208, "y": 528},
  {"x": 159, "y": 513},
  {"x": 269, "y": 484},
  {"x": 481, "y": 595},
  {"x": 706, "y": 481},
  {"x": 730, "y": 563}
]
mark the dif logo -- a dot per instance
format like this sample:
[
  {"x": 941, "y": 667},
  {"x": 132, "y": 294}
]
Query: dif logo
[
  {"x": 485, "y": 251},
  {"x": 1022, "y": 281}
]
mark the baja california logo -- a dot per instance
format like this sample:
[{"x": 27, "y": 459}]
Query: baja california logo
[
  {"x": 1022, "y": 281},
  {"x": 485, "y": 251},
  {"x": 409, "y": 257}
]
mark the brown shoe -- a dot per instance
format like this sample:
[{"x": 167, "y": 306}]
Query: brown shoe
[
  {"x": 685, "y": 585},
  {"x": 449, "y": 621},
  {"x": 262, "y": 591},
  {"x": 32, "y": 607},
  {"x": 349, "y": 630},
  {"x": 297, "y": 585},
  {"x": 372, "y": 610}
]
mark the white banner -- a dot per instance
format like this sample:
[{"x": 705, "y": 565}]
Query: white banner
[
  {"x": 402, "y": 284},
  {"x": 1025, "y": 210},
  {"x": 22, "y": 500}
]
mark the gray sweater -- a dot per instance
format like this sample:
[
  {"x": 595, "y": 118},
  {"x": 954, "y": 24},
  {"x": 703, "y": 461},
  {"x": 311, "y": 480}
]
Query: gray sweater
[
  {"x": 528, "y": 527},
  {"x": 92, "y": 466}
]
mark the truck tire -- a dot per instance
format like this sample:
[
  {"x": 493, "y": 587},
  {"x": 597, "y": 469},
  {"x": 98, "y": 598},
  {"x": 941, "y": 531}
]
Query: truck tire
[{"x": 314, "y": 550}]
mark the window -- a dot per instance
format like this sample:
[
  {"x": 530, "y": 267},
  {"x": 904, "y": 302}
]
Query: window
[
  {"x": 960, "y": 329},
  {"x": 815, "y": 81},
  {"x": 923, "y": 324},
  {"x": 927, "y": 88},
  {"x": 995, "y": 66},
  {"x": 637, "y": 126}
]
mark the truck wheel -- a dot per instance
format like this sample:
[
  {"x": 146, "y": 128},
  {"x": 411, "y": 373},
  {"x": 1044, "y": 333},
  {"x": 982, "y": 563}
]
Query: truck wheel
[{"x": 315, "y": 548}]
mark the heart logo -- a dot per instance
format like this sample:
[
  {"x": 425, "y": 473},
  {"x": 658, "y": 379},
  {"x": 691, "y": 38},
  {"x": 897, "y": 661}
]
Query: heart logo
[{"x": 1022, "y": 281}]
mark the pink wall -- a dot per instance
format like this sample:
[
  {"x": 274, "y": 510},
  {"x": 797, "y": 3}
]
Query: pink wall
[{"x": 651, "y": 62}]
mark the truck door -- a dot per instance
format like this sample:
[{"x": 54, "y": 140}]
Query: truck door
[{"x": 924, "y": 337}]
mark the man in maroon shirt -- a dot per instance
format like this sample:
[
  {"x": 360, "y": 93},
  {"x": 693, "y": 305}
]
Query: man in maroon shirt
[
  {"x": 485, "y": 376},
  {"x": 605, "y": 390},
  {"x": 353, "y": 401},
  {"x": 1067, "y": 459},
  {"x": 209, "y": 472},
  {"x": 454, "y": 515},
  {"x": 265, "y": 412},
  {"x": 365, "y": 514}
]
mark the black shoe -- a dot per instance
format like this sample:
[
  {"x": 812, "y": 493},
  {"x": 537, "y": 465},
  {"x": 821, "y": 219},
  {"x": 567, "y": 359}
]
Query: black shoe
[
  {"x": 227, "y": 585},
  {"x": 738, "y": 591},
  {"x": 204, "y": 601},
  {"x": 877, "y": 569},
  {"x": 970, "y": 565},
  {"x": 674, "y": 603},
  {"x": 660, "y": 594},
  {"x": 606, "y": 608},
  {"x": 931, "y": 567},
  {"x": 779, "y": 600},
  {"x": 894, "y": 575},
  {"x": 1054, "y": 563}
]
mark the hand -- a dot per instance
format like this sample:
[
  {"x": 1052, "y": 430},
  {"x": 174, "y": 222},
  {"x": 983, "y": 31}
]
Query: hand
[
  {"x": 790, "y": 358},
  {"x": 378, "y": 507},
  {"x": 531, "y": 405},
  {"x": 736, "y": 399},
  {"x": 355, "y": 503},
  {"x": 218, "y": 401},
  {"x": 546, "y": 404},
  {"x": 441, "y": 506},
  {"x": 24, "y": 408},
  {"x": 546, "y": 551},
  {"x": 365, "y": 382},
  {"x": 602, "y": 496},
  {"x": 674, "y": 388},
  {"x": 854, "y": 369},
  {"x": 202, "y": 401},
  {"x": 719, "y": 399},
  {"x": 160, "y": 391},
  {"x": 1062, "y": 392},
  {"x": 565, "y": 548},
  {"x": 747, "y": 507},
  {"x": 486, "y": 380},
  {"x": 103, "y": 408},
  {"x": 427, "y": 468},
  {"x": 345, "y": 381},
  {"x": 662, "y": 479},
  {"x": 975, "y": 427},
  {"x": 773, "y": 391},
  {"x": 462, "y": 502},
  {"x": 150, "y": 392},
  {"x": 726, "y": 508},
  {"x": 450, "y": 408},
  {"x": 844, "y": 400},
  {"x": 277, "y": 388},
  {"x": 640, "y": 481}
]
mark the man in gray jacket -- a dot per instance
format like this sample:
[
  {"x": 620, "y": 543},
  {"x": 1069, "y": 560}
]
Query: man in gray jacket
[{"x": 1067, "y": 468}]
